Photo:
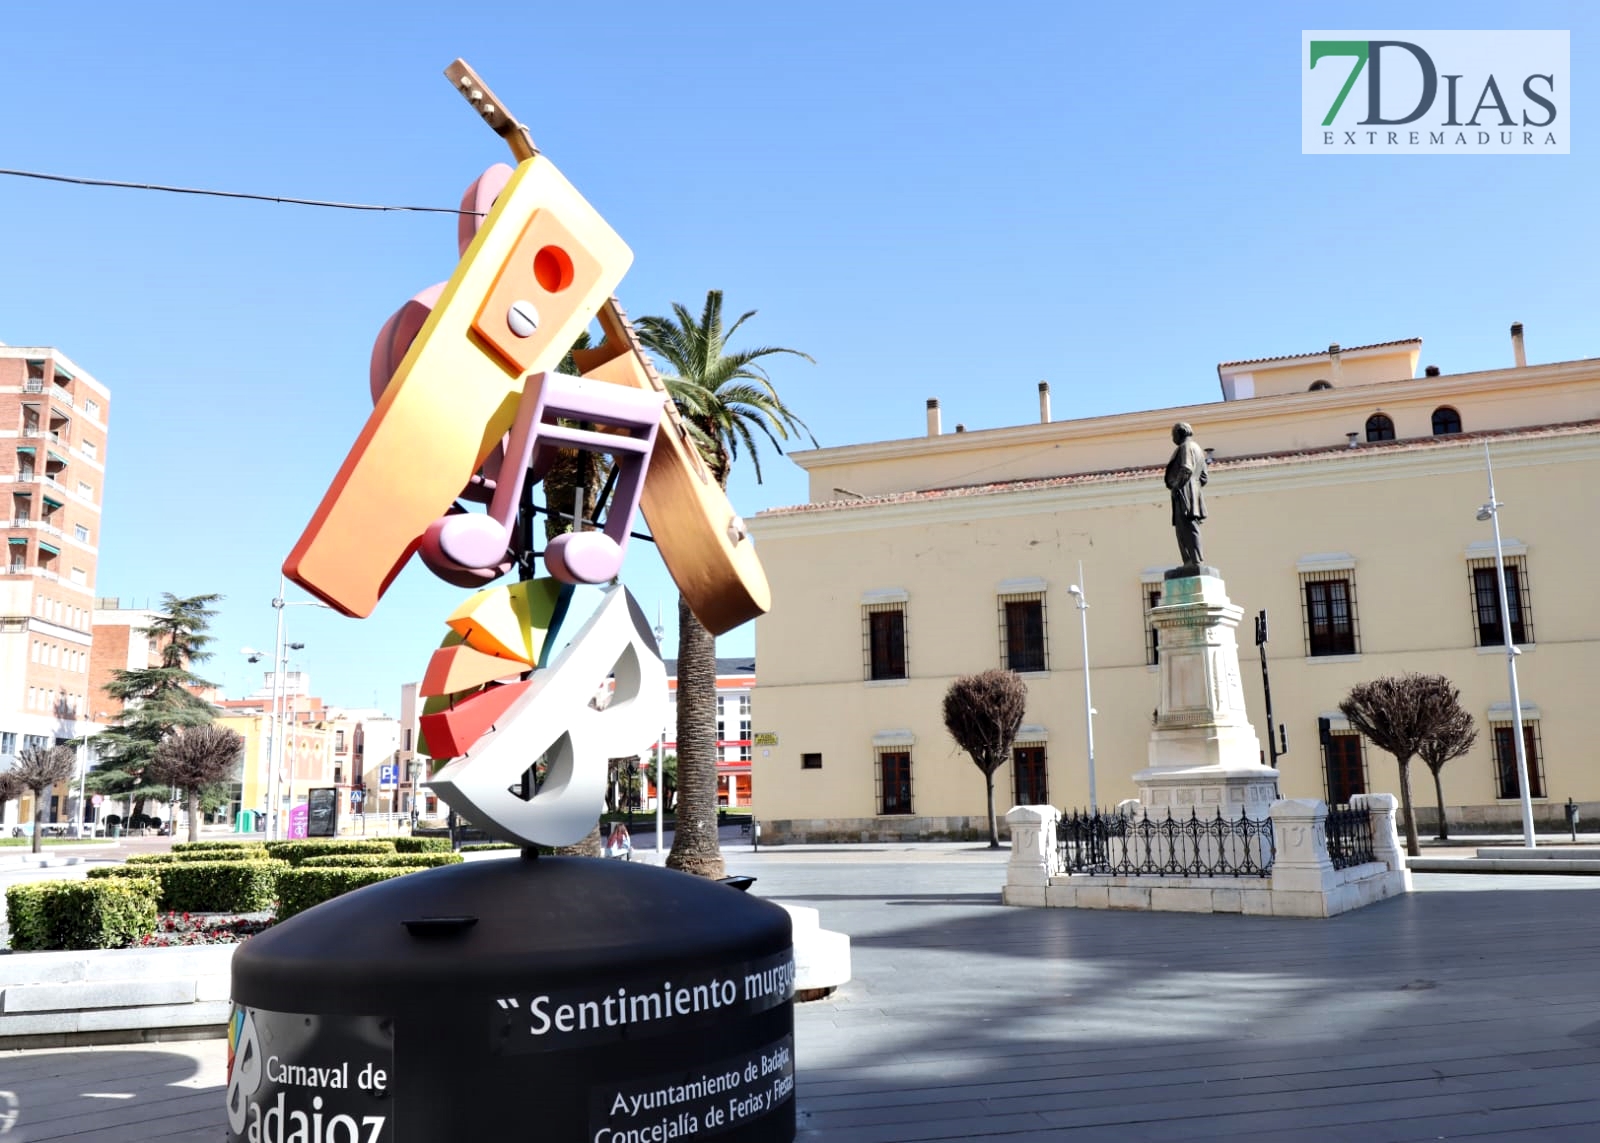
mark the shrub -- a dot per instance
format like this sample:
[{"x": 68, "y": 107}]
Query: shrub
[
  {"x": 422, "y": 845},
  {"x": 381, "y": 861},
  {"x": 198, "y": 855},
  {"x": 207, "y": 886},
  {"x": 202, "y": 846},
  {"x": 300, "y": 889},
  {"x": 294, "y": 852},
  {"x": 479, "y": 847},
  {"x": 99, "y": 914}
]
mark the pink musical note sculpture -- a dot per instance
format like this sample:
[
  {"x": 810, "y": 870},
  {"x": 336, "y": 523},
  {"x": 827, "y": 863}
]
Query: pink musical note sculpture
[{"x": 626, "y": 421}]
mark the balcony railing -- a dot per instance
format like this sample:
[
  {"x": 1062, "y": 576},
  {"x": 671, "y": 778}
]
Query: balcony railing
[{"x": 33, "y": 385}]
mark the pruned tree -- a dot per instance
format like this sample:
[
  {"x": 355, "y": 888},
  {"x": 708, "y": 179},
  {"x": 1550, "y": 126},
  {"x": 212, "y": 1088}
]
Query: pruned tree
[
  {"x": 37, "y": 768},
  {"x": 983, "y": 712},
  {"x": 192, "y": 758},
  {"x": 11, "y": 789},
  {"x": 1398, "y": 714},
  {"x": 1455, "y": 736}
]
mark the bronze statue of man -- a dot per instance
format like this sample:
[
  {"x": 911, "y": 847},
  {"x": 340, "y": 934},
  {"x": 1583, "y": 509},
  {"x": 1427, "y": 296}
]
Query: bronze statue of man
[{"x": 1186, "y": 475}]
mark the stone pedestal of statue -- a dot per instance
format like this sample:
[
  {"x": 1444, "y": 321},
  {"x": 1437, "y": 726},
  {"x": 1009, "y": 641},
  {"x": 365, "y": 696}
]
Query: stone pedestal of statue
[{"x": 1204, "y": 754}]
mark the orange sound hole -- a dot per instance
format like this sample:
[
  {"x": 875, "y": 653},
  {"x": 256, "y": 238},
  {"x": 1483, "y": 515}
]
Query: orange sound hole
[{"x": 552, "y": 266}]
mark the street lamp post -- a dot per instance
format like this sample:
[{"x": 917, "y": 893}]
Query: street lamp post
[
  {"x": 661, "y": 748},
  {"x": 280, "y": 661},
  {"x": 1491, "y": 511},
  {"x": 83, "y": 774},
  {"x": 1088, "y": 703}
]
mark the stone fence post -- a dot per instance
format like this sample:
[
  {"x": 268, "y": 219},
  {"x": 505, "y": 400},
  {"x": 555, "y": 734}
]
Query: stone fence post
[
  {"x": 1302, "y": 872},
  {"x": 1033, "y": 854},
  {"x": 1381, "y": 809}
]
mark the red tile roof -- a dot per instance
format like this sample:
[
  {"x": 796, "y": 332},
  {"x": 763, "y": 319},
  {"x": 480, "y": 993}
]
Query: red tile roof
[
  {"x": 1343, "y": 349},
  {"x": 1256, "y": 460}
]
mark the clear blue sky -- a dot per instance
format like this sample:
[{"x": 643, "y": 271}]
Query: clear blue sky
[{"x": 941, "y": 200}]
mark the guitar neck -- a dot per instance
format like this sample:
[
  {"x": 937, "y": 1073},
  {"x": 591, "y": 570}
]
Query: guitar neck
[
  {"x": 621, "y": 328},
  {"x": 488, "y": 105}
]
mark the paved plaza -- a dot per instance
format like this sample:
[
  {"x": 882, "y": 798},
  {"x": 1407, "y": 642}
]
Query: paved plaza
[{"x": 1468, "y": 1010}]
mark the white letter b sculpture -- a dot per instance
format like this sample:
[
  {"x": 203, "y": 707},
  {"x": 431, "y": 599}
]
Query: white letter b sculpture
[{"x": 557, "y": 718}]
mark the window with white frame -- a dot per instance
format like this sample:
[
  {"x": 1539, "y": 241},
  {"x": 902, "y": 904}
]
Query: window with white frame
[
  {"x": 1328, "y": 606},
  {"x": 1503, "y": 745},
  {"x": 893, "y": 771},
  {"x": 883, "y": 635},
  {"x": 1024, "y": 641},
  {"x": 1030, "y": 778},
  {"x": 1483, "y": 579},
  {"x": 1149, "y": 600}
]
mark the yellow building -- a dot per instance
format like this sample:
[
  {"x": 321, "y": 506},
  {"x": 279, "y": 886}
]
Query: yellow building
[{"x": 1343, "y": 497}]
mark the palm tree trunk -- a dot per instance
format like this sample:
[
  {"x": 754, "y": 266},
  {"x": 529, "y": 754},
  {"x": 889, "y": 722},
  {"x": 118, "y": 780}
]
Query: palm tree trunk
[
  {"x": 1413, "y": 846},
  {"x": 994, "y": 830},
  {"x": 1438, "y": 794},
  {"x": 695, "y": 847}
]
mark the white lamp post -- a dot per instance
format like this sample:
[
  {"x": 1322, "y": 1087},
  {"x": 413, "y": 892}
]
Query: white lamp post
[
  {"x": 280, "y": 659},
  {"x": 661, "y": 748},
  {"x": 83, "y": 774},
  {"x": 1088, "y": 703},
  {"x": 1491, "y": 511}
]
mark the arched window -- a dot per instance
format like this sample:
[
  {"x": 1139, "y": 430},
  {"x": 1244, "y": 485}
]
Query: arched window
[
  {"x": 1315, "y": 385},
  {"x": 1446, "y": 421},
  {"x": 1380, "y": 428}
]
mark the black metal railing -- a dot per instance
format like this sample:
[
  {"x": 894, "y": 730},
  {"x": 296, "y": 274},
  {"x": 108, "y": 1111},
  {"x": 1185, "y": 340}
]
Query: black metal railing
[
  {"x": 1349, "y": 837},
  {"x": 1195, "y": 846}
]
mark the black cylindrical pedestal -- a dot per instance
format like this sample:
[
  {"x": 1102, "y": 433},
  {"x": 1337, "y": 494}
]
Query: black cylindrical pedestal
[{"x": 557, "y": 999}]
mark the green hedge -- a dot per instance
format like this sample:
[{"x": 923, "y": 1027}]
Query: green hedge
[
  {"x": 294, "y": 852},
  {"x": 202, "y": 846},
  {"x": 381, "y": 860},
  {"x": 198, "y": 855},
  {"x": 207, "y": 886},
  {"x": 100, "y": 914},
  {"x": 422, "y": 845},
  {"x": 299, "y": 889}
]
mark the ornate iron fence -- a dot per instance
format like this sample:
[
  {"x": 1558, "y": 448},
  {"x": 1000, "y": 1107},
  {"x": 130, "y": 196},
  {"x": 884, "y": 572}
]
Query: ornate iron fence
[
  {"x": 1349, "y": 837},
  {"x": 1095, "y": 842}
]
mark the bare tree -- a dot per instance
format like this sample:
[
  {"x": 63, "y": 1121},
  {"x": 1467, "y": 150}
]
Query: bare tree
[
  {"x": 983, "y": 712},
  {"x": 1454, "y": 736},
  {"x": 1399, "y": 713},
  {"x": 37, "y": 769},
  {"x": 192, "y": 758},
  {"x": 11, "y": 788}
]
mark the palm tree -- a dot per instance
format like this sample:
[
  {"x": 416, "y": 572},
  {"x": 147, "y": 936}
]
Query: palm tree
[{"x": 725, "y": 397}]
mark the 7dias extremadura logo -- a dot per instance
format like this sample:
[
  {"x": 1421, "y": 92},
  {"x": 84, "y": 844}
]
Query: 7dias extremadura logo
[{"x": 1435, "y": 93}]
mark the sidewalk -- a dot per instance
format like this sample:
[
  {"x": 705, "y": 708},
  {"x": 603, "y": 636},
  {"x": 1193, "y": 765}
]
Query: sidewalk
[{"x": 1470, "y": 1009}]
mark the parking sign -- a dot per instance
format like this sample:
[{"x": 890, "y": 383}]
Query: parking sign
[{"x": 389, "y": 775}]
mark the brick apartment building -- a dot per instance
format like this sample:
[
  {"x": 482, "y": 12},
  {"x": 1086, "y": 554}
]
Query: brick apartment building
[{"x": 53, "y": 440}]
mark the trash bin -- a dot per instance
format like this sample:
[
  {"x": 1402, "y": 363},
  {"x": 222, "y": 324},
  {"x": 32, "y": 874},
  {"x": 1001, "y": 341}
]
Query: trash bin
[
  {"x": 614, "y": 1001},
  {"x": 116, "y": 830}
]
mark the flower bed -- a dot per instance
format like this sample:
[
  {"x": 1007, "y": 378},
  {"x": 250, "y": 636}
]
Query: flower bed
[{"x": 205, "y": 929}]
